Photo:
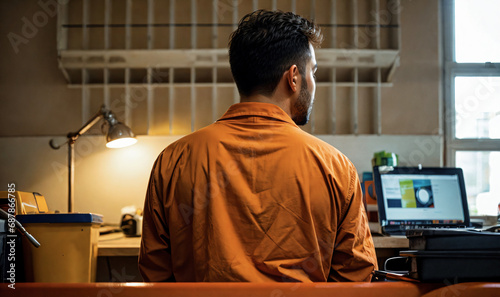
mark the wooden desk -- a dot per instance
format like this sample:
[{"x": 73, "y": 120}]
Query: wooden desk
[
  {"x": 391, "y": 242},
  {"x": 116, "y": 244},
  {"x": 381, "y": 289}
]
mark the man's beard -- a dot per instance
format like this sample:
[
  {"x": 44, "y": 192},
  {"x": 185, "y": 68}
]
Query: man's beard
[{"x": 303, "y": 105}]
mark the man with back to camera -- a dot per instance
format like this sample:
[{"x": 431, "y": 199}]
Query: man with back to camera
[{"x": 252, "y": 197}]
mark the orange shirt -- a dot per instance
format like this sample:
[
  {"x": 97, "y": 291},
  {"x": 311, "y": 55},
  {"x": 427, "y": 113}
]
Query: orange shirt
[{"x": 252, "y": 197}]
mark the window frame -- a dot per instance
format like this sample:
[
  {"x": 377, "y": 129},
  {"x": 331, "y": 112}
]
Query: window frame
[{"x": 452, "y": 70}]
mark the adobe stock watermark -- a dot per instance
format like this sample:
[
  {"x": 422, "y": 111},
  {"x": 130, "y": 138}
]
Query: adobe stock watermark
[
  {"x": 369, "y": 32},
  {"x": 452, "y": 289},
  {"x": 425, "y": 147},
  {"x": 85, "y": 146},
  {"x": 215, "y": 185},
  {"x": 486, "y": 88},
  {"x": 116, "y": 276},
  {"x": 10, "y": 244},
  {"x": 30, "y": 26},
  {"x": 224, "y": 6}
]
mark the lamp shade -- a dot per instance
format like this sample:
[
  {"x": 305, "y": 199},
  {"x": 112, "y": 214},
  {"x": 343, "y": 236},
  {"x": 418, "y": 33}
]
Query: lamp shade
[{"x": 119, "y": 135}]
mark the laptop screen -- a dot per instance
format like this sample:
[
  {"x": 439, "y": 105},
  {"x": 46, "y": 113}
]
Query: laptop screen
[{"x": 426, "y": 196}]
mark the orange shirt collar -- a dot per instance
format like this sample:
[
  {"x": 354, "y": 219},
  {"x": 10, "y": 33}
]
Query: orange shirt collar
[{"x": 248, "y": 109}]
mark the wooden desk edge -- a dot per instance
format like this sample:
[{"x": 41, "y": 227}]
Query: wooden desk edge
[
  {"x": 118, "y": 245},
  {"x": 391, "y": 242}
]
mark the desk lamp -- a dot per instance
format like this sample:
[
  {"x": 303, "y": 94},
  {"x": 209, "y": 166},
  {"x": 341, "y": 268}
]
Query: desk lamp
[{"x": 118, "y": 136}]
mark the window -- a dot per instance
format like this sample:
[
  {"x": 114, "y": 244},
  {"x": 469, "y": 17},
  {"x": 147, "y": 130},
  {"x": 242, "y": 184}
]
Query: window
[
  {"x": 476, "y": 31},
  {"x": 472, "y": 98}
]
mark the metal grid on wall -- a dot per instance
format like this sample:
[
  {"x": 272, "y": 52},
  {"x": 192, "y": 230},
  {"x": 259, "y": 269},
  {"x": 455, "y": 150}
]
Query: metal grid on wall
[{"x": 162, "y": 65}]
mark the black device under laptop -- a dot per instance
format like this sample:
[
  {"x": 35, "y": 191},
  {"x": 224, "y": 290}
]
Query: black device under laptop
[{"x": 415, "y": 197}]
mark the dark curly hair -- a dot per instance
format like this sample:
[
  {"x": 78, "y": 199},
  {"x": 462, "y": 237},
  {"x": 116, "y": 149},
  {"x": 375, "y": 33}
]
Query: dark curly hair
[{"x": 265, "y": 45}]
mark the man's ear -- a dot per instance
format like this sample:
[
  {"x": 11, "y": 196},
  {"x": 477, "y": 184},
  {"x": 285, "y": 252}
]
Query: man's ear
[{"x": 292, "y": 77}]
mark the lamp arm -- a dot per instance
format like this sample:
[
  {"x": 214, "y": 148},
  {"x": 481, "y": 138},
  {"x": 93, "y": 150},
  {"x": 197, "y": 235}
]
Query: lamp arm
[
  {"x": 56, "y": 146},
  {"x": 73, "y": 136},
  {"x": 103, "y": 111}
]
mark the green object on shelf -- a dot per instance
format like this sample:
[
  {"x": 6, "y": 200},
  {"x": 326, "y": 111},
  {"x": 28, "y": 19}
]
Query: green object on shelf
[{"x": 384, "y": 158}]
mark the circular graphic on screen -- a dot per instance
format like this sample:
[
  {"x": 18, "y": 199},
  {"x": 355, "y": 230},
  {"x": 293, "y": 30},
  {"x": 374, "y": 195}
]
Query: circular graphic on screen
[{"x": 424, "y": 196}]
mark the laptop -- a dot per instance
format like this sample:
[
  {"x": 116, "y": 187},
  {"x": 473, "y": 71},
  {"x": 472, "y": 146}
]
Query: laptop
[{"x": 416, "y": 197}]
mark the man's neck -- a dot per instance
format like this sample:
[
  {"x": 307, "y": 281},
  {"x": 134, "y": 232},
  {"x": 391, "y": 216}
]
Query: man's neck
[{"x": 282, "y": 103}]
